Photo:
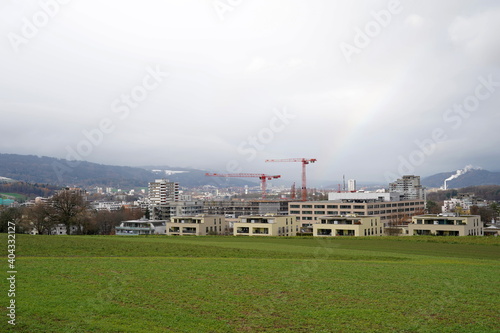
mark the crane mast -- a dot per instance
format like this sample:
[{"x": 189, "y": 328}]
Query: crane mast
[
  {"x": 304, "y": 162},
  {"x": 263, "y": 178}
]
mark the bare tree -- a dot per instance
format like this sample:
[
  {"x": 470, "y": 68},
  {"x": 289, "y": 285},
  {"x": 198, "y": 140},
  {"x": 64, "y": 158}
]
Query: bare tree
[
  {"x": 68, "y": 207},
  {"x": 487, "y": 213},
  {"x": 106, "y": 221},
  {"x": 41, "y": 217},
  {"x": 432, "y": 207},
  {"x": 395, "y": 223},
  {"x": 11, "y": 214}
]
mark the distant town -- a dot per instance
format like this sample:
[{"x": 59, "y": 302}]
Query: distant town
[{"x": 164, "y": 207}]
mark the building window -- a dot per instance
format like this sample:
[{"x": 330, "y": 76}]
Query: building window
[
  {"x": 242, "y": 230},
  {"x": 324, "y": 232}
]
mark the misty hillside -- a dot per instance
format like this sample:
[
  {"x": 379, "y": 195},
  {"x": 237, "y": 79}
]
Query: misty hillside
[
  {"x": 48, "y": 170},
  {"x": 474, "y": 177}
]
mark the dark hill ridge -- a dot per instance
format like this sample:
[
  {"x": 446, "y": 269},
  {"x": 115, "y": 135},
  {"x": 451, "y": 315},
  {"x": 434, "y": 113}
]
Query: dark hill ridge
[
  {"x": 49, "y": 170},
  {"x": 475, "y": 177}
]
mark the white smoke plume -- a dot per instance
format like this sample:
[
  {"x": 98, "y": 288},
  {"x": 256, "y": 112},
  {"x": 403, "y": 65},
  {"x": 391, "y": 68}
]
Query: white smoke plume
[{"x": 459, "y": 173}]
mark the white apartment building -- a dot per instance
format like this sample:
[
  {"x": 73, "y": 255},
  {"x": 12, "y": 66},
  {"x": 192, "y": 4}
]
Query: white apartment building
[
  {"x": 409, "y": 187},
  {"x": 351, "y": 185},
  {"x": 141, "y": 227},
  {"x": 162, "y": 191}
]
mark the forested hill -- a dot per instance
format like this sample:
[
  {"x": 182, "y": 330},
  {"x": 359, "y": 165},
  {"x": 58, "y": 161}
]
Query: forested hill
[
  {"x": 475, "y": 177},
  {"x": 28, "y": 190},
  {"x": 48, "y": 170}
]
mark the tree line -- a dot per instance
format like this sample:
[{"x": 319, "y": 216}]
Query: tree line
[
  {"x": 486, "y": 192},
  {"x": 29, "y": 190},
  {"x": 68, "y": 208}
]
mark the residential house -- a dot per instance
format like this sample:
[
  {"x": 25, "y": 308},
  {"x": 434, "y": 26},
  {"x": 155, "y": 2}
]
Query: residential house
[
  {"x": 349, "y": 225},
  {"x": 266, "y": 225}
]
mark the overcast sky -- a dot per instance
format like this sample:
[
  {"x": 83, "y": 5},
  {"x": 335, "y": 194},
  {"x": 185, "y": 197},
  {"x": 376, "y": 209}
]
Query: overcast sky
[{"x": 364, "y": 87}]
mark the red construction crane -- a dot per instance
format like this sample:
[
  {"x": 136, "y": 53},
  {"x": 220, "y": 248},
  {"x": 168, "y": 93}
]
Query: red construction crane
[
  {"x": 263, "y": 178},
  {"x": 304, "y": 162},
  {"x": 292, "y": 192}
]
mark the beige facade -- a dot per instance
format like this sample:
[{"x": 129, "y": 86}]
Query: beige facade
[
  {"x": 266, "y": 225},
  {"x": 200, "y": 225},
  {"x": 310, "y": 212},
  {"x": 333, "y": 226},
  {"x": 442, "y": 225}
]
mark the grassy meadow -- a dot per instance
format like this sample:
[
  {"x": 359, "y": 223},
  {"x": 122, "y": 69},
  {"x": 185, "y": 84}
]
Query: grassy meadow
[{"x": 254, "y": 284}]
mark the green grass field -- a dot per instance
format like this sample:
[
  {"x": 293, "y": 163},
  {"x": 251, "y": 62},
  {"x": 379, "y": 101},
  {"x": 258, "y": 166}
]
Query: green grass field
[
  {"x": 231, "y": 284},
  {"x": 15, "y": 196}
]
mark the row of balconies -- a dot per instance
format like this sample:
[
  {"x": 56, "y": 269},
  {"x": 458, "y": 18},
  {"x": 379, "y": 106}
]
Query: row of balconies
[
  {"x": 339, "y": 222},
  {"x": 441, "y": 222},
  {"x": 246, "y": 230},
  {"x": 186, "y": 230}
]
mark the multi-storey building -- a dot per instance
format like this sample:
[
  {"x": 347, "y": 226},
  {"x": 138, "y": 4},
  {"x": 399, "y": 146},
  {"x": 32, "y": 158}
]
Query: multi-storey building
[
  {"x": 199, "y": 225},
  {"x": 237, "y": 208},
  {"x": 309, "y": 212},
  {"x": 186, "y": 208},
  {"x": 446, "y": 225},
  {"x": 350, "y": 225},
  {"x": 351, "y": 185},
  {"x": 161, "y": 194},
  {"x": 108, "y": 205},
  {"x": 162, "y": 191},
  {"x": 357, "y": 196},
  {"x": 141, "y": 227},
  {"x": 409, "y": 187},
  {"x": 266, "y": 225},
  {"x": 178, "y": 208}
]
